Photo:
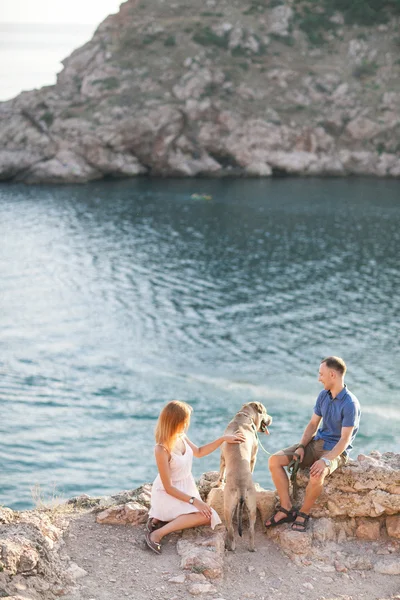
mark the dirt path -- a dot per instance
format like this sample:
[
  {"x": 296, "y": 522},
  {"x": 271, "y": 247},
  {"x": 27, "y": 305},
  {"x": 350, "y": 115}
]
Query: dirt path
[{"x": 119, "y": 566}]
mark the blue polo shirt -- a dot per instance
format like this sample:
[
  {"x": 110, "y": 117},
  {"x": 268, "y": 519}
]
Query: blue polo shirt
[{"x": 342, "y": 411}]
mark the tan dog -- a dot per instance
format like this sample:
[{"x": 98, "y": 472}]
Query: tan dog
[{"x": 237, "y": 463}]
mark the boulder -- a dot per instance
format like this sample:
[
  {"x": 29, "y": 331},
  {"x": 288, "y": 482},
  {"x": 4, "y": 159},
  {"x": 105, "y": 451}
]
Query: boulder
[
  {"x": 202, "y": 553},
  {"x": 368, "y": 529},
  {"x": 65, "y": 166},
  {"x": 363, "y": 129},
  {"x": 279, "y": 19},
  {"x": 131, "y": 513},
  {"x": 366, "y": 487},
  {"x": 393, "y": 526}
]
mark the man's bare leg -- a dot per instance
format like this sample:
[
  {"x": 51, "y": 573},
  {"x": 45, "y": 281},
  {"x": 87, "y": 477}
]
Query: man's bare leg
[
  {"x": 313, "y": 491},
  {"x": 277, "y": 464}
]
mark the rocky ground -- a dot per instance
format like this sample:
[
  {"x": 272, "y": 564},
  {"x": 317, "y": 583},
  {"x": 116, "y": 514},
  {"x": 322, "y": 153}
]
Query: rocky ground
[
  {"x": 261, "y": 88},
  {"x": 94, "y": 548},
  {"x": 119, "y": 566}
]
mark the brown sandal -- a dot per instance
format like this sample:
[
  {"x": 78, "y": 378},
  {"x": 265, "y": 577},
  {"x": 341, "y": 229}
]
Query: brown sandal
[
  {"x": 151, "y": 526},
  {"x": 155, "y": 546},
  {"x": 291, "y": 515}
]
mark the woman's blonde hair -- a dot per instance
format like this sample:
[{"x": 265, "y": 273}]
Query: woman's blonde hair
[{"x": 173, "y": 419}]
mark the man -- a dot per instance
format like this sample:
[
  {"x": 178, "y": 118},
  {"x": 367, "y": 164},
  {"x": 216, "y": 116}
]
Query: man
[{"x": 323, "y": 450}]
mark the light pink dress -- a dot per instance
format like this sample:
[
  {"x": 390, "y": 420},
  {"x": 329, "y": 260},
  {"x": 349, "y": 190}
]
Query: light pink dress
[{"x": 166, "y": 507}]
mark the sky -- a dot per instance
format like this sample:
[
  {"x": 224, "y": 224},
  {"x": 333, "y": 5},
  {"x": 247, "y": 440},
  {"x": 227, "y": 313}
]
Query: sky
[
  {"x": 90, "y": 12},
  {"x": 36, "y": 35}
]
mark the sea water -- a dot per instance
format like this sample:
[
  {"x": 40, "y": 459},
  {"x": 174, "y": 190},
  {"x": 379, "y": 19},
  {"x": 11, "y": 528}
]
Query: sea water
[{"x": 117, "y": 297}]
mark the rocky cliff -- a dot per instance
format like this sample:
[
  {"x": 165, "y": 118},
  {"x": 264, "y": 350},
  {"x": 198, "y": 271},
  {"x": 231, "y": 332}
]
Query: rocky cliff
[{"x": 249, "y": 87}]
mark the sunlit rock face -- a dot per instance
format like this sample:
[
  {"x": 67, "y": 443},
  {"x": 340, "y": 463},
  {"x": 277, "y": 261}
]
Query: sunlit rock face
[{"x": 238, "y": 90}]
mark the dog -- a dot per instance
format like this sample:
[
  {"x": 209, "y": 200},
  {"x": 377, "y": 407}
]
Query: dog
[{"x": 236, "y": 468}]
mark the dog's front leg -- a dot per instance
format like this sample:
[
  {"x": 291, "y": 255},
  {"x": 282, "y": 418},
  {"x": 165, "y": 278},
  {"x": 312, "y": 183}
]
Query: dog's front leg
[
  {"x": 222, "y": 469},
  {"x": 253, "y": 459}
]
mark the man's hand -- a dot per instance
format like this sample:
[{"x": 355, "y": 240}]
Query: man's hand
[
  {"x": 300, "y": 452},
  {"x": 317, "y": 469}
]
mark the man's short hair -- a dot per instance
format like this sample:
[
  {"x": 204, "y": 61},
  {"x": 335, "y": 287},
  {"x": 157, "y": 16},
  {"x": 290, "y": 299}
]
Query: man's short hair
[{"x": 335, "y": 363}]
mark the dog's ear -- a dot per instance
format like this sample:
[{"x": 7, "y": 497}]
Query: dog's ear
[{"x": 257, "y": 406}]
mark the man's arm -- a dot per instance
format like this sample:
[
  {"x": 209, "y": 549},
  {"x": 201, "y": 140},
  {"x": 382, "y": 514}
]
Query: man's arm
[
  {"x": 311, "y": 429},
  {"x": 342, "y": 444},
  {"x": 319, "y": 466},
  {"x": 308, "y": 434}
]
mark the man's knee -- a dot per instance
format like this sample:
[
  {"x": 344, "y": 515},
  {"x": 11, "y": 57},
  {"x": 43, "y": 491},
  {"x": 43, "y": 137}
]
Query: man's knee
[
  {"x": 278, "y": 460},
  {"x": 317, "y": 480}
]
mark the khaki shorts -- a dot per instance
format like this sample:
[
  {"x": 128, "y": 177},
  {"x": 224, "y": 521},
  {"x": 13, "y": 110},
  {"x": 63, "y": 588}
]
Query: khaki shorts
[{"x": 313, "y": 451}]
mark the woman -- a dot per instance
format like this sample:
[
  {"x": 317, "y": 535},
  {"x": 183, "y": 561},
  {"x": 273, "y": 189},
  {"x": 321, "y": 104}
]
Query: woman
[{"x": 175, "y": 500}]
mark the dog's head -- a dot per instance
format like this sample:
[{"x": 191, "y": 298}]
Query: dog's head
[{"x": 259, "y": 415}]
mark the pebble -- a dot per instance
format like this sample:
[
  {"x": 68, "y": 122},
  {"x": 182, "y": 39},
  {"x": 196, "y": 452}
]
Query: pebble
[
  {"x": 177, "y": 579},
  {"x": 308, "y": 585},
  {"x": 197, "y": 578},
  {"x": 250, "y": 569},
  {"x": 201, "y": 588}
]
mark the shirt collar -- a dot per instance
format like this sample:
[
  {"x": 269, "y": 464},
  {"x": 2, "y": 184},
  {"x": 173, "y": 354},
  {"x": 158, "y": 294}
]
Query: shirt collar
[{"x": 340, "y": 395}]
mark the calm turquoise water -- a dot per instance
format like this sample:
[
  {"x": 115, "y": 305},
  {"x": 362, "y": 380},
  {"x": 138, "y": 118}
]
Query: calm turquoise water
[{"x": 119, "y": 296}]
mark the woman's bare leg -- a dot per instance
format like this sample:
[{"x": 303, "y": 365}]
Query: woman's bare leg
[{"x": 182, "y": 522}]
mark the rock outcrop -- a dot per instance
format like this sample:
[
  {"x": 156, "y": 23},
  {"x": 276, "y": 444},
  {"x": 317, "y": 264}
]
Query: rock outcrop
[
  {"x": 30, "y": 564},
  {"x": 177, "y": 90},
  {"x": 355, "y": 526},
  {"x": 356, "y": 520}
]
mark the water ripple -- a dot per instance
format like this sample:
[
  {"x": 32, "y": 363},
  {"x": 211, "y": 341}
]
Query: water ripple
[{"x": 117, "y": 297}]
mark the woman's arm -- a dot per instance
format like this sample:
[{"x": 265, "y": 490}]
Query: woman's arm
[
  {"x": 201, "y": 451},
  {"x": 162, "y": 460}
]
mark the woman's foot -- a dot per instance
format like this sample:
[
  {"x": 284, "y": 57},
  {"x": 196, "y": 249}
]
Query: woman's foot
[{"x": 152, "y": 542}]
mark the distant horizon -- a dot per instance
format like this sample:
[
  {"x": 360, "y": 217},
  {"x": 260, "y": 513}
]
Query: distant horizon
[
  {"x": 46, "y": 23},
  {"x": 58, "y": 12},
  {"x": 31, "y": 54}
]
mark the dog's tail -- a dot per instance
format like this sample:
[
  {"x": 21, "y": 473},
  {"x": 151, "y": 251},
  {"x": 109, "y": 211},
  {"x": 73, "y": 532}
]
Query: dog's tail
[{"x": 240, "y": 515}]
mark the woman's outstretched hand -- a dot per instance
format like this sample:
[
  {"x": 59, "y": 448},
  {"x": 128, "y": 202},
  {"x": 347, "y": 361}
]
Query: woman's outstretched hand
[{"x": 236, "y": 438}]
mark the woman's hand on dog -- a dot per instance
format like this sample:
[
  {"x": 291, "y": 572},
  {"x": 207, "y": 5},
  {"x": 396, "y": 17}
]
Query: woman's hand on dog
[{"x": 236, "y": 438}]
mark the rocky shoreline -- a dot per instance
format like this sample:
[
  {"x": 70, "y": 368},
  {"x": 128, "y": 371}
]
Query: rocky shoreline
[
  {"x": 355, "y": 531},
  {"x": 179, "y": 89}
]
